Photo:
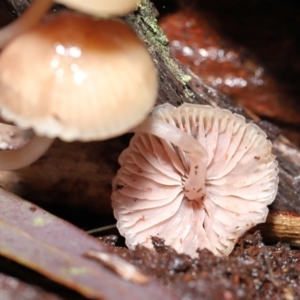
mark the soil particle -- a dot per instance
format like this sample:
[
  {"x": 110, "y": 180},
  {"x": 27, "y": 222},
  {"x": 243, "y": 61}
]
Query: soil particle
[
  {"x": 110, "y": 240},
  {"x": 252, "y": 271}
]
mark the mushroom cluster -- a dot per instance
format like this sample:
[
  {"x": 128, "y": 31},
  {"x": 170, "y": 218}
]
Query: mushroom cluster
[
  {"x": 196, "y": 176},
  {"x": 73, "y": 76}
]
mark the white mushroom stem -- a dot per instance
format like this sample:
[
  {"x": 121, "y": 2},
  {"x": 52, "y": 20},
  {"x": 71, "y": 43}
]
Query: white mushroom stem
[
  {"x": 28, "y": 19},
  {"x": 196, "y": 153},
  {"x": 22, "y": 157}
]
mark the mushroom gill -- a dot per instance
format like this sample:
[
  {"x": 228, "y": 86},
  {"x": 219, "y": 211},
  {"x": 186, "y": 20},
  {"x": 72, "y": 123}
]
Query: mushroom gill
[{"x": 232, "y": 169}]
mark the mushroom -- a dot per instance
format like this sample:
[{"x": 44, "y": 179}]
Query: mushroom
[
  {"x": 92, "y": 79},
  {"x": 24, "y": 147},
  {"x": 26, "y": 155},
  {"x": 12, "y": 137},
  {"x": 22, "y": 155},
  {"x": 195, "y": 175},
  {"x": 102, "y": 8},
  {"x": 26, "y": 21}
]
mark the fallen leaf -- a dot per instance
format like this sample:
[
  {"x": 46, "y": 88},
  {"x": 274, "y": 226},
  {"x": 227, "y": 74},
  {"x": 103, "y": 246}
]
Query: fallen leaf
[
  {"x": 55, "y": 248},
  {"x": 13, "y": 289}
]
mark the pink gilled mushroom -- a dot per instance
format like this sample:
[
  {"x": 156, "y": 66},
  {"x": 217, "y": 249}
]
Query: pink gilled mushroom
[{"x": 195, "y": 175}]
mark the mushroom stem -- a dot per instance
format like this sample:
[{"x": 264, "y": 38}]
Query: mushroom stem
[
  {"x": 19, "y": 158},
  {"x": 196, "y": 153},
  {"x": 27, "y": 20}
]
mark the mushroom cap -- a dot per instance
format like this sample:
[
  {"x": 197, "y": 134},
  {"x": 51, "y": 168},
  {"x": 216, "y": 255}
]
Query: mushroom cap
[
  {"x": 102, "y": 7},
  {"x": 77, "y": 78},
  {"x": 241, "y": 180}
]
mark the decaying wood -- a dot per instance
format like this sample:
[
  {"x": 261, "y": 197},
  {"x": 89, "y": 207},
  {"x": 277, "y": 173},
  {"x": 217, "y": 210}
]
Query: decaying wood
[
  {"x": 70, "y": 174},
  {"x": 281, "y": 226},
  {"x": 81, "y": 173}
]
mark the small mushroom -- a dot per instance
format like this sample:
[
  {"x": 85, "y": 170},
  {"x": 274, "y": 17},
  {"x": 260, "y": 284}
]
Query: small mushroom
[
  {"x": 102, "y": 8},
  {"x": 12, "y": 137},
  {"x": 26, "y": 21},
  {"x": 195, "y": 175},
  {"x": 19, "y": 148},
  {"x": 26, "y": 155},
  {"x": 91, "y": 80},
  {"x": 22, "y": 155}
]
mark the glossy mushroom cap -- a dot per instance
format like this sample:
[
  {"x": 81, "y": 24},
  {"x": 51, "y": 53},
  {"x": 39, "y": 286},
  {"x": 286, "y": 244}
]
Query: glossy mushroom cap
[
  {"x": 77, "y": 78},
  {"x": 102, "y": 8},
  {"x": 150, "y": 197}
]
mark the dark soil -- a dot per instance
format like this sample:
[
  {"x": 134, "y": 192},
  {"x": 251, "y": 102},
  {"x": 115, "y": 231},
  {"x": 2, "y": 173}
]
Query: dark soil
[{"x": 252, "y": 271}]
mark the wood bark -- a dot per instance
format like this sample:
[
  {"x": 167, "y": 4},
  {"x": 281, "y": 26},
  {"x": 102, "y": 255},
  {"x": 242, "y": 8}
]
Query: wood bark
[{"x": 80, "y": 173}]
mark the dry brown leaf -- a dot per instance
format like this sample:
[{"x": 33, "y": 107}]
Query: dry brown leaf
[
  {"x": 13, "y": 289},
  {"x": 53, "y": 247}
]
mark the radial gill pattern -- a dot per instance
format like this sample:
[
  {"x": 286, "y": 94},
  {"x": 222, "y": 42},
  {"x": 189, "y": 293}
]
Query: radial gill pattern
[{"x": 241, "y": 179}]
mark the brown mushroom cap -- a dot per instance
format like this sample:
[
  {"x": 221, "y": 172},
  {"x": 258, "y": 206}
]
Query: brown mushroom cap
[
  {"x": 77, "y": 78},
  {"x": 102, "y": 7},
  {"x": 149, "y": 191}
]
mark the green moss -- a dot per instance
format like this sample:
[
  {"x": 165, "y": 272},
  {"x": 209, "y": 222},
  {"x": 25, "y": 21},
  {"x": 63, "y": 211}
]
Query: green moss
[{"x": 157, "y": 42}]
